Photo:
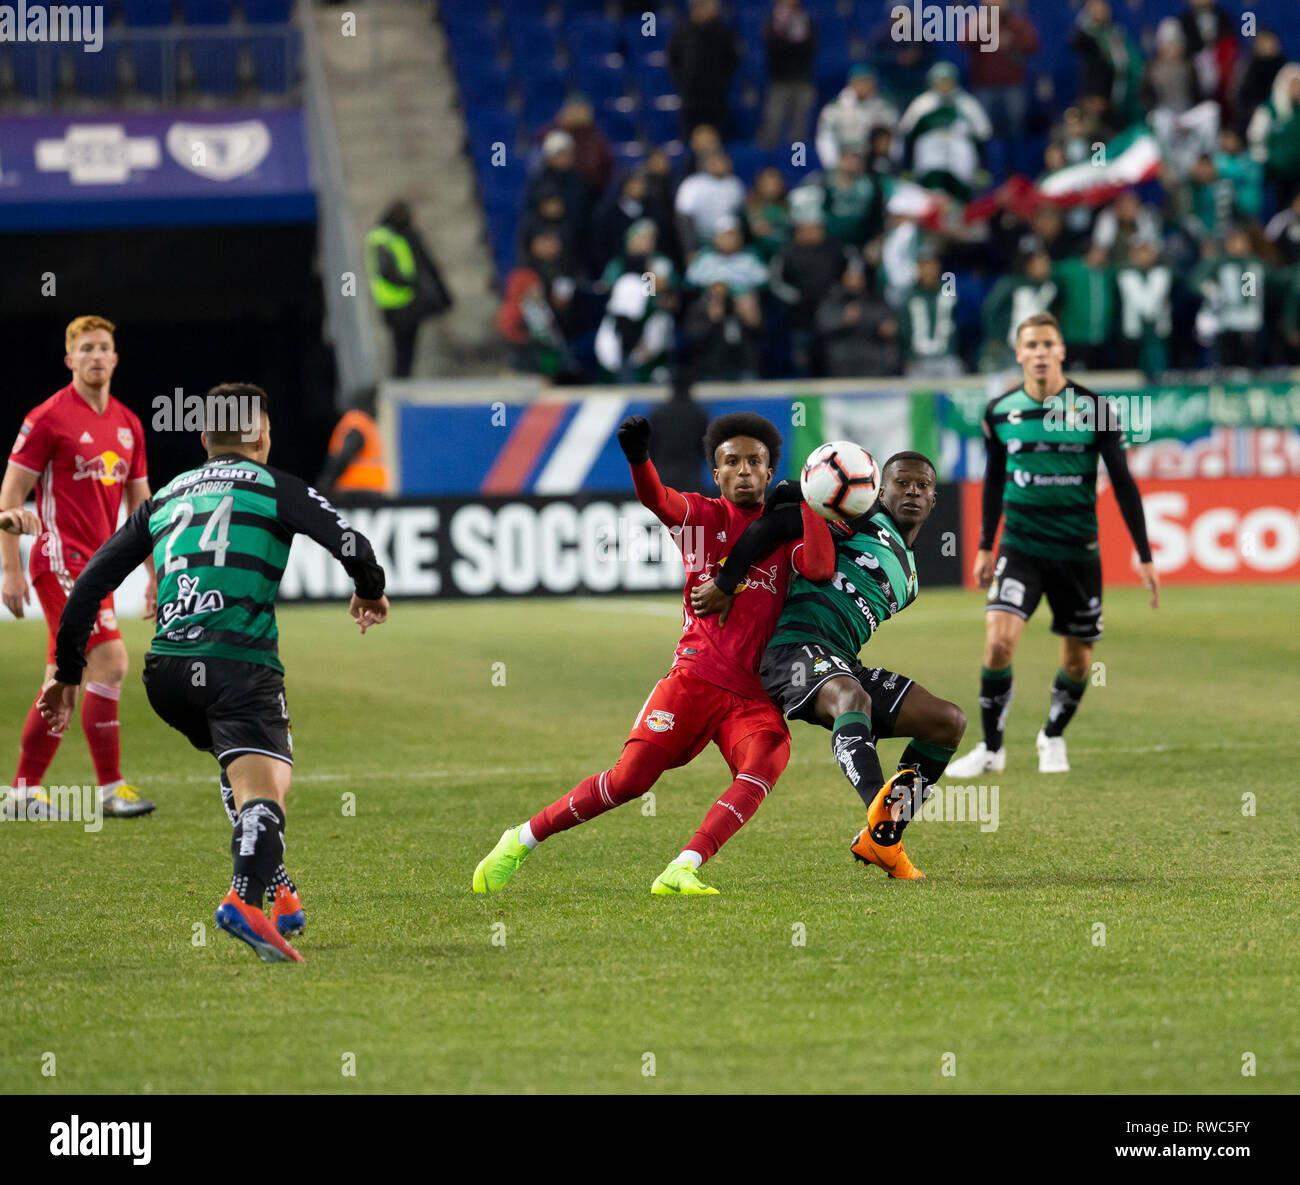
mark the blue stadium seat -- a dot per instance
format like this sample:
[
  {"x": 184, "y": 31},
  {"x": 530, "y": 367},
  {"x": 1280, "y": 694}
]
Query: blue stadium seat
[
  {"x": 95, "y": 74},
  {"x": 478, "y": 41},
  {"x": 590, "y": 36},
  {"x": 531, "y": 42},
  {"x": 207, "y": 12},
  {"x": 146, "y": 14},
  {"x": 652, "y": 80},
  {"x": 267, "y": 12},
  {"x": 483, "y": 81},
  {"x": 746, "y": 160},
  {"x": 486, "y": 127},
  {"x": 599, "y": 80},
  {"x": 147, "y": 59},
  {"x": 275, "y": 61},
  {"x": 661, "y": 123},
  {"x": 630, "y": 154},
  {"x": 619, "y": 126},
  {"x": 216, "y": 64},
  {"x": 542, "y": 98},
  {"x": 35, "y": 70}
]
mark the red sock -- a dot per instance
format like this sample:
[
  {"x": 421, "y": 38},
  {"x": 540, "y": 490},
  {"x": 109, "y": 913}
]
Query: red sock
[
  {"x": 759, "y": 761},
  {"x": 103, "y": 733},
  {"x": 637, "y": 769},
  {"x": 37, "y": 750}
]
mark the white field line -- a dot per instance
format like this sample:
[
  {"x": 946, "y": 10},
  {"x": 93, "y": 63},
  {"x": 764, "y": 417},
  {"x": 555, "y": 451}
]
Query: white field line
[{"x": 574, "y": 773}]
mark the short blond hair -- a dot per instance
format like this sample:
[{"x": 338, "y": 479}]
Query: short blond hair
[
  {"x": 1039, "y": 319},
  {"x": 79, "y": 325}
]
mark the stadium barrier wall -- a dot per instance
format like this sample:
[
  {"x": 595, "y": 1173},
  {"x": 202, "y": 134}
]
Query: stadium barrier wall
[
  {"x": 514, "y": 436},
  {"x": 1202, "y": 531},
  {"x": 587, "y": 545}
]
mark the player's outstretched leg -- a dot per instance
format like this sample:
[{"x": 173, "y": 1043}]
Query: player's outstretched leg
[
  {"x": 637, "y": 769},
  {"x": 256, "y": 845},
  {"x": 286, "y": 905},
  {"x": 844, "y": 706},
  {"x": 935, "y": 727},
  {"x": 757, "y": 760}
]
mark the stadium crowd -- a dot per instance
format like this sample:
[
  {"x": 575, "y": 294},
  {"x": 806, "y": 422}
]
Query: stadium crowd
[{"x": 919, "y": 233}]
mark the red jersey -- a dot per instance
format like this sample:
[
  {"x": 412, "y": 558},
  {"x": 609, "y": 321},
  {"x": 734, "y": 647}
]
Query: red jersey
[
  {"x": 83, "y": 461},
  {"x": 728, "y": 656}
]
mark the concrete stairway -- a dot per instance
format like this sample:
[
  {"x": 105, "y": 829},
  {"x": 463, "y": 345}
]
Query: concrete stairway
[{"x": 393, "y": 97}]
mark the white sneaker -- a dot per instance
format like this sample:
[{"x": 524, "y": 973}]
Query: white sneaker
[
  {"x": 978, "y": 761},
  {"x": 1051, "y": 755}
]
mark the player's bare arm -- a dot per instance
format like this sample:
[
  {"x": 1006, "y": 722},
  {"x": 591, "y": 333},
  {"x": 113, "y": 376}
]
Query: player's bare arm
[{"x": 14, "y": 491}]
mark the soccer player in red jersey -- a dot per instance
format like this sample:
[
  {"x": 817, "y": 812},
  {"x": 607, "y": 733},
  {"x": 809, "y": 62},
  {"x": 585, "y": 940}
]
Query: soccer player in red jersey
[
  {"x": 713, "y": 692},
  {"x": 83, "y": 452}
]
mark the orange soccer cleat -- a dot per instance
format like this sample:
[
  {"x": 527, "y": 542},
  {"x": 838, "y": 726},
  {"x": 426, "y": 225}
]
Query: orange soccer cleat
[
  {"x": 249, "y": 924},
  {"x": 287, "y": 913},
  {"x": 894, "y": 797}
]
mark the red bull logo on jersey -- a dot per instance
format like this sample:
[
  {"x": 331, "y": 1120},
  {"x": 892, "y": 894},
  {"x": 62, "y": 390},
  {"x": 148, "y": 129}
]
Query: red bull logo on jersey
[
  {"x": 108, "y": 468},
  {"x": 756, "y": 577},
  {"x": 126, "y": 438},
  {"x": 659, "y": 720}
]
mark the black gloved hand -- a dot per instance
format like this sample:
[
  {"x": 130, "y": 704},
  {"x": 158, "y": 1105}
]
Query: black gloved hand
[
  {"x": 634, "y": 439},
  {"x": 784, "y": 493}
]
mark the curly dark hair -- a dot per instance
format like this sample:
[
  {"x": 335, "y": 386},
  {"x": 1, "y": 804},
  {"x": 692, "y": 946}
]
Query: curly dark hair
[{"x": 742, "y": 423}]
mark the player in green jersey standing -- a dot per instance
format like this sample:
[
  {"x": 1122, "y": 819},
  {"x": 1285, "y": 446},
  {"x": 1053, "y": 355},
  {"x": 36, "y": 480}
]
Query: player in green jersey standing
[
  {"x": 811, "y": 669},
  {"x": 1043, "y": 440},
  {"x": 220, "y": 537}
]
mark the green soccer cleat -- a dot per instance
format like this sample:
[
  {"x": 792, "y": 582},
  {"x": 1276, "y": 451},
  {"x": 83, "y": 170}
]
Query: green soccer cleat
[
  {"x": 680, "y": 879},
  {"x": 501, "y": 863}
]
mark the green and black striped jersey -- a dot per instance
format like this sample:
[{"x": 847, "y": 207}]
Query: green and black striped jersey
[
  {"x": 1042, "y": 470},
  {"x": 875, "y": 577},
  {"x": 220, "y": 537}
]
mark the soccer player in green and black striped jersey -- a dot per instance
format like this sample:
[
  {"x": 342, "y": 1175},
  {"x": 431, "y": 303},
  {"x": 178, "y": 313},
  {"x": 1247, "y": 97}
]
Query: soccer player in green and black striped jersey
[
  {"x": 1044, "y": 439},
  {"x": 811, "y": 669},
  {"x": 220, "y": 537}
]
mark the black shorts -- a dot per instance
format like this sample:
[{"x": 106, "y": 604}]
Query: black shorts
[
  {"x": 793, "y": 672},
  {"x": 223, "y": 707},
  {"x": 1073, "y": 589}
]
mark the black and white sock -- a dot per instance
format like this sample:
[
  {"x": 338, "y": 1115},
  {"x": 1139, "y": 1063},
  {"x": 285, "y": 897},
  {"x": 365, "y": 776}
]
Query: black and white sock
[
  {"x": 854, "y": 746},
  {"x": 1066, "y": 696},
  {"x": 281, "y": 874},
  {"x": 996, "y": 691},
  {"x": 257, "y": 846}
]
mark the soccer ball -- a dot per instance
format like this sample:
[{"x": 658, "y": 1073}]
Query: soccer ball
[{"x": 840, "y": 480}]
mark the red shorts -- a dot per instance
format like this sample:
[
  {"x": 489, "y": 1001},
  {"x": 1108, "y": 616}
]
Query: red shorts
[
  {"x": 54, "y": 596},
  {"x": 683, "y": 714}
]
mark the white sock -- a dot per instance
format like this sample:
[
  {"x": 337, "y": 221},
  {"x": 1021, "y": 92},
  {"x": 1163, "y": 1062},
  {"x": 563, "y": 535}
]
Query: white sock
[
  {"x": 694, "y": 859},
  {"x": 107, "y": 792},
  {"x": 526, "y": 836}
]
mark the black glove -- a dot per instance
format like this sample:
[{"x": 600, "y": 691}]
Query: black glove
[
  {"x": 784, "y": 493},
  {"x": 634, "y": 439}
]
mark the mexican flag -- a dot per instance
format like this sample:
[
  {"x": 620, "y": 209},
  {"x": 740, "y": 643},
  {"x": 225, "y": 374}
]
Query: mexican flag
[{"x": 1130, "y": 159}]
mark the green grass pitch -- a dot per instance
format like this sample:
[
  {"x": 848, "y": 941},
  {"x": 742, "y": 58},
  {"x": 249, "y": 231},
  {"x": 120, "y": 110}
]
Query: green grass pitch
[{"x": 576, "y": 979}]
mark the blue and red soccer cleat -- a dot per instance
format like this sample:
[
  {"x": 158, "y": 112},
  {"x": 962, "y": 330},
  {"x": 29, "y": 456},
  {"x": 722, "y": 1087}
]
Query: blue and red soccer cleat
[
  {"x": 251, "y": 925},
  {"x": 286, "y": 911}
]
